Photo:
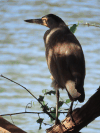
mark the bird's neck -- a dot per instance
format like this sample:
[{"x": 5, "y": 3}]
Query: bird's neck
[{"x": 48, "y": 36}]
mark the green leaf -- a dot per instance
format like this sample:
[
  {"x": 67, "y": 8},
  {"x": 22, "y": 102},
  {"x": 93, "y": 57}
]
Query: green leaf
[
  {"x": 40, "y": 120},
  {"x": 54, "y": 114},
  {"x": 44, "y": 91},
  {"x": 50, "y": 92},
  {"x": 73, "y": 28},
  {"x": 41, "y": 98},
  {"x": 45, "y": 107},
  {"x": 43, "y": 103},
  {"x": 60, "y": 104},
  {"x": 81, "y": 21},
  {"x": 68, "y": 101}
]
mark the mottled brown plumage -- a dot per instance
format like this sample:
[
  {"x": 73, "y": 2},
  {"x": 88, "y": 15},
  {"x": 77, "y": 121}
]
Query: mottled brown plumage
[{"x": 64, "y": 57}]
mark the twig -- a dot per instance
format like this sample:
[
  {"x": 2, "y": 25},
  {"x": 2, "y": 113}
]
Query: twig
[
  {"x": 21, "y": 86},
  {"x": 22, "y": 113},
  {"x": 12, "y": 119},
  {"x": 44, "y": 109},
  {"x": 27, "y": 106},
  {"x": 90, "y": 25},
  {"x": 86, "y": 24},
  {"x": 29, "y": 112}
]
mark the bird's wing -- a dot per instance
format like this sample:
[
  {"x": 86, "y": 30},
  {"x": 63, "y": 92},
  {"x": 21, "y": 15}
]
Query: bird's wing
[
  {"x": 64, "y": 55},
  {"x": 69, "y": 63}
]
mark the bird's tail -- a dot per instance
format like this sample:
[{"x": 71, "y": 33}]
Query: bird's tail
[
  {"x": 72, "y": 91},
  {"x": 81, "y": 91}
]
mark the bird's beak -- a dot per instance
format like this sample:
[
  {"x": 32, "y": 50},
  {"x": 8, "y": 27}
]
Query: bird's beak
[{"x": 37, "y": 21}]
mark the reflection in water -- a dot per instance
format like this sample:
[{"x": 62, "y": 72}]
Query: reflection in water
[{"x": 22, "y": 56}]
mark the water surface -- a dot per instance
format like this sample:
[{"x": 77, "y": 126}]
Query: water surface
[{"x": 22, "y": 56}]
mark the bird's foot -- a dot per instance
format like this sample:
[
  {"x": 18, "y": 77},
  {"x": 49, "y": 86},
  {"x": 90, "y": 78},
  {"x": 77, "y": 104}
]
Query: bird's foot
[
  {"x": 69, "y": 114},
  {"x": 57, "y": 121}
]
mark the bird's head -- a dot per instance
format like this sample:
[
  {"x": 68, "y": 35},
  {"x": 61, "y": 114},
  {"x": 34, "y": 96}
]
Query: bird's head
[{"x": 51, "y": 21}]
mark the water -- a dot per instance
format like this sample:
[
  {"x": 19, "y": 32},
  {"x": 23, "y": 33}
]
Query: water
[{"x": 22, "y": 56}]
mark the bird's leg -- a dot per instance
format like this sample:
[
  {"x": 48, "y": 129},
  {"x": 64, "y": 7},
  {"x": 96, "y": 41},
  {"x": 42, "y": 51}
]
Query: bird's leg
[
  {"x": 70, "y": 109},
  {"x": 57, "y": 96},
  {"x": 70, "y": 112}
]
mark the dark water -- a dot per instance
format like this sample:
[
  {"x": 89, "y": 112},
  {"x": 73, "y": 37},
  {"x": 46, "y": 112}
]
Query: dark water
[{"x": 22, "y": 56}]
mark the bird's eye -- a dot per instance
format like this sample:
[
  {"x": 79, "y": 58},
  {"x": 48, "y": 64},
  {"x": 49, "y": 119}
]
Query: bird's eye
[{"x": 45, "y": 21}]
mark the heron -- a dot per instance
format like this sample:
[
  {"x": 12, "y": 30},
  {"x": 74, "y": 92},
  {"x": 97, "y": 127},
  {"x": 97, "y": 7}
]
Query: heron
[{"x": 65, "y": 58}]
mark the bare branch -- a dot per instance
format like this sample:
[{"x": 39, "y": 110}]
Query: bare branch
[
  {"x": 29, "y": 113},
  {"x": 82, "y": 116},
  {"x": 21, "y": 86},
  {"x": 87, "y": 24},
  {"x": 44, "y": 108}
]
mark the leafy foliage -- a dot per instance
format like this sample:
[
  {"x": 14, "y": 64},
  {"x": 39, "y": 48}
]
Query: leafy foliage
[
  {"x": 44, "y": 91},
  {"x": 41, "y": 98},
  {"x": 40, "y": 121},
  {"x": 68, "y": 101},
  {"x": 53, "y": 114},
  {"x": 50, "y": 92},
  {"x": 73, "y": 28},
  {"x": 45, "y": 107},
  {"x": 60, "y": 104}
]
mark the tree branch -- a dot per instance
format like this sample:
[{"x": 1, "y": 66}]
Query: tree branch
[
  {"x": 7, "y": 127},
  {"x": 21, "y": 86},
  {"x": 18, "y": 113},
  {"x": 87, "y": 24},
  {"x": 82, "y": 116},
  {"x": 43, "y": 107}
]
